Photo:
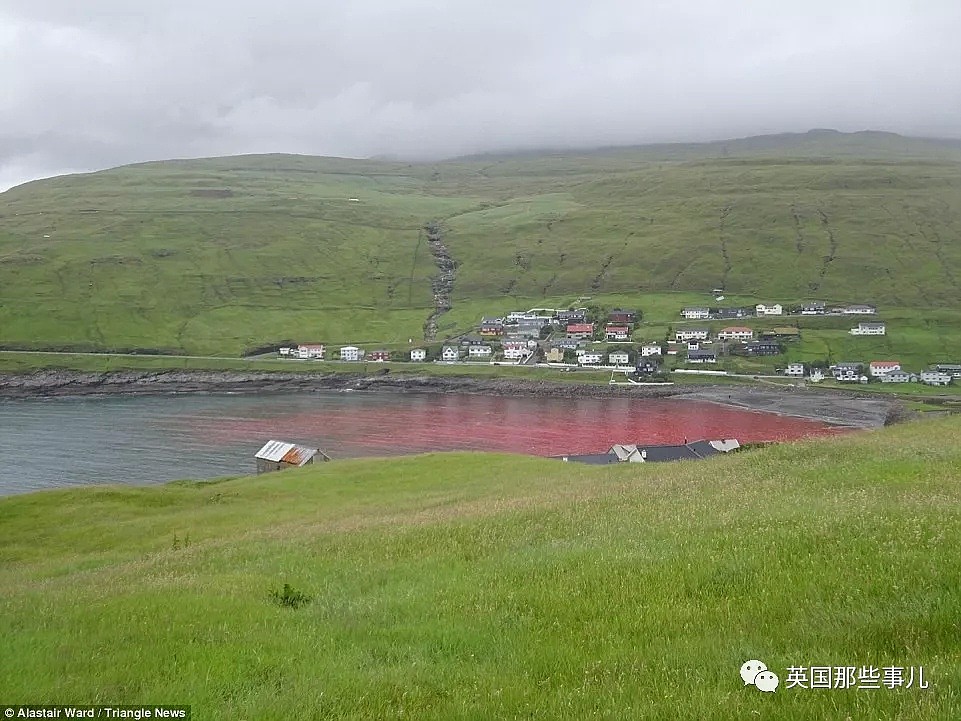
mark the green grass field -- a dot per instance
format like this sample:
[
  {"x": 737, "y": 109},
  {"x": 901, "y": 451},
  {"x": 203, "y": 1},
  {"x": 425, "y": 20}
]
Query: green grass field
[
  {"x": 223, "y": 256},
  {"x": 475, "y": 586}
]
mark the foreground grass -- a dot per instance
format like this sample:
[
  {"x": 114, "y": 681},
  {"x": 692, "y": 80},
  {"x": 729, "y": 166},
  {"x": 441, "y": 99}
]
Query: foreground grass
[{"x": 473, "y": 586}]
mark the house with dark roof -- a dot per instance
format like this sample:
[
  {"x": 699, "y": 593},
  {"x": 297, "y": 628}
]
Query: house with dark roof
[
  {"x": 621, "y": 316},
  {"x": 760, "y": 348},
  {"x": 701, "y": 356},
  {"x": 639, "y": 453}
]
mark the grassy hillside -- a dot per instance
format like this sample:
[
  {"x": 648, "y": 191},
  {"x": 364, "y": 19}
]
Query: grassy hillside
[
  {"x": 224, "y": 255},
  {"x": 470, "y": 586}
]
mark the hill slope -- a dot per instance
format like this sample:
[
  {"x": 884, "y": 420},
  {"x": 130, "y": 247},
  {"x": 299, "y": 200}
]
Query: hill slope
[
  {"x": 224, "y": 255},
  {"x": 469, "y": 586}
]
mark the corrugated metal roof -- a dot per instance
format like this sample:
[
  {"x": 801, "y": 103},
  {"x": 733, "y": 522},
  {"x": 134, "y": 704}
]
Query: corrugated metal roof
[{"x": 280, "y": 451}]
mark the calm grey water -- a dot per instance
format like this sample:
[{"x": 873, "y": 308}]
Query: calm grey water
[{"x": 46, "y": 443}]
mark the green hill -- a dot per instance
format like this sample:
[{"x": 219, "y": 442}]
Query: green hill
[
  {"x": 474, "y": 586},
  {"x": 224, "y": 255}
]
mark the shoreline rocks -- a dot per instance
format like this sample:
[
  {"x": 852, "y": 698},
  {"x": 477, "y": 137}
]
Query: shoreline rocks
[{"x": 830, "y": 406}]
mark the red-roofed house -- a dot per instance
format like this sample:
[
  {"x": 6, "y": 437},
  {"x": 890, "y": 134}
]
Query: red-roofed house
[
  {"x": 617, "y": 332},
  {"x": 580, "y": 330},
  {"x": 879, "y": 368},
  {"x": 736, "y": 332}
]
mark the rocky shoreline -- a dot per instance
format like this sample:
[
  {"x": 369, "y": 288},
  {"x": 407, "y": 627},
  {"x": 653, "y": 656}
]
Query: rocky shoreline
[{"x": 829, "y": 406}]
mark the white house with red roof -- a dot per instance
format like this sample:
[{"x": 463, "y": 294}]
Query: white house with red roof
[
  {"x": 617, "y": 332},
  {"x": 879, "y": 368}
]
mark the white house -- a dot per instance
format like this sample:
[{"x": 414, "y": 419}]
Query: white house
[
  {"x": 795, "y": 370},
  {"x": 817, "y": 375},
  {"x": 311, "y": 350},
  {"x": 418, "y": 354},
  {"x": 869, "y": 329},
  {"x": 859, "y": 310},
  {"x": 879, "y": 368},
  {"x": 285, "y": 351},
  {"x": 515, "y": 351},
  {"x": 899, "y": 377},
  {"x": 935, "y": 378},
  {"x": 479, "y": 351},
  {"x": 736, "y": 332},
  {"x": 617, "y": 332},
  {"x": 450, "y": 353},
  {"x": 696, "y": 313},
  {"x": 590, "y": 358},
  {"x": 649, "y": 349},
  {"x": 762, "y": 309},
  {"x": 618, "y": 358},
  {"x": 815, "y": 308},
  {"x": 350, "y": 353},
  {"x": 683, "y": 334}
]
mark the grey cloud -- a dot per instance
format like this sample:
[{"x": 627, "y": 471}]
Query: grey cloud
[{"x": 103, "y": 82}]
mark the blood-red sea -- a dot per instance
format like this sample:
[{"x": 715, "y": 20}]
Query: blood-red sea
[{"x": 378, "y": 424}]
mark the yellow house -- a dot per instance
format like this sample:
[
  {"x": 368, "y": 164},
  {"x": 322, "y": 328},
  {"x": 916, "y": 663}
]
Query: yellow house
[{"x": 555, "y": 355}]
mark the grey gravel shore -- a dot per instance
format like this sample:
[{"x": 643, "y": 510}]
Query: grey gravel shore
[{"x": 830, "y": 406}]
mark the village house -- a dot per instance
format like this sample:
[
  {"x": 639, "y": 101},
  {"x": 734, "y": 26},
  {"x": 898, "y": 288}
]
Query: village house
[
  {"x": 857, "y": 309},
  {"x": 314, "y": 351},
  {"x": 515, "y": 350},
  {"x": 868, "y": 329},
  {"x": 617, "y": 332},
  {"x": 418, "y": 354},
  {"x": 952, "y": 369},
  {"x": 762, "y": 309},
  {"x": 554, "y": 355},
  {"x": 590, "y": 358},
  {"x": 696, "y": 313},
  {"x": 278, "y": 455},
  {"x": 450, "y": 353},
  {"x": 378, "y": 356},
  {"x": 567, "y": 317},
  {"x": 899, "y": 377},
  {"x": 491, "y": 327},
  {"x": 285, "y": 351},
  {"x": 480, "y": 351},
  {"x": 619, "y": 358},
  {"x": 566, "y": 343},
  {"x": 736, "y": 332},
  {"x": 646, "y": 367},
  {"x": 761, "y": 347},
  {"x": 935, "y": 378},
  {"x": 795, "y": 370},
  {"x": 815, "y": 308},
  {"x": 847, "y": 372},
  {"x": 701, "y": 356},
  {"x": 685, "y": 334},
  {"x": 469, "y": 340},
  {"x": 785, "y": 332},
  {"x": 350, "y": 353},
  {"x": 649, "y": 349},
  {"x": 580, "y": 331},
  {"x": 731, "y": 313},
  {"x": 878, "y": 368},
  {"x": 621, "y": 316}
]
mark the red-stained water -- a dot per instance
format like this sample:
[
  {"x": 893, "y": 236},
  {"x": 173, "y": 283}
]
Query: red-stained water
[{"x": 361, "y": 424}]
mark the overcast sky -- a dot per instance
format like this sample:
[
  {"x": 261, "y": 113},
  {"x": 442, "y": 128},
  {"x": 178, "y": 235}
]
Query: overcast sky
[{"x": 89, "y": 84}]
